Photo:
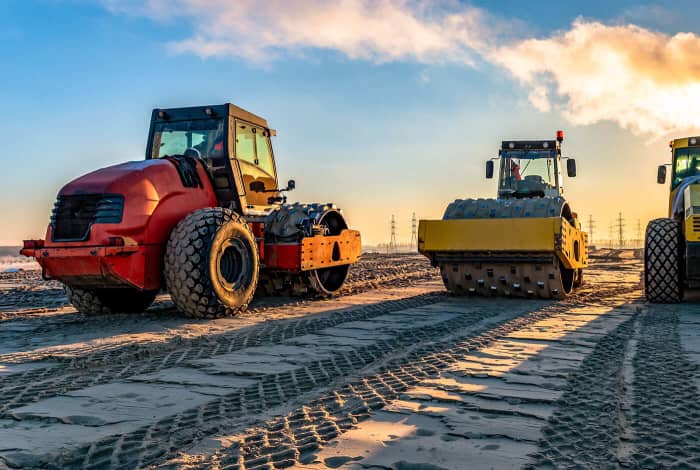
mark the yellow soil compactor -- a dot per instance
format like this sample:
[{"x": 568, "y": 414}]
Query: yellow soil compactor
[
  {"x": 526, "y": 243},
  {"x": 672, "y": 244}
]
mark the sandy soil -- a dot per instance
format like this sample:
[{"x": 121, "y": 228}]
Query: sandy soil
[{"x": 392, "y": 374}]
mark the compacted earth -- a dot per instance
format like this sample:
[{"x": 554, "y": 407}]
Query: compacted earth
[{"x": 393, "y": 373}]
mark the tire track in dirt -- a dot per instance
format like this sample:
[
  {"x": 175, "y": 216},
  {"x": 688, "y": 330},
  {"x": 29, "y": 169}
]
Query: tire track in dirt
[
  {"x": 152, "y": 444},
  {"x": 584, "y": 431},
  {"x": 285, "y": 441},
  {"x": 635, "y": 411},
  {"x": 23, "y": 329},
  {"x": 666, "y": 412},
  {"x": 273, "y": 390},
  {"x": 45, "y": 297},
  {"x": 103, "y": 367},
  {"x": 164, "y": 436}
]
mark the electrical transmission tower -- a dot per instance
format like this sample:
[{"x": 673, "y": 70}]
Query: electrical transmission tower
[
  {"x": 414, "y": 231},
  {"x": 392, "y": 242},
  {"x": 591, "y": 226},
  {"x": 620, "y": 228},
  {"x": 639, "y": 229}
]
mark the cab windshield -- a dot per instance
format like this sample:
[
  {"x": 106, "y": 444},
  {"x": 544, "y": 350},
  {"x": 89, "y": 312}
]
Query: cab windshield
[
  {"x": 527, "y": 177},
  {"x": 686, "y": 163},
  {"x": 173, "y": 138}
]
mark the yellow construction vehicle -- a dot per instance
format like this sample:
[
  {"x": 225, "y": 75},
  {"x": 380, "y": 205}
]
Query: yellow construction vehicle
[
  {"x": 527, "y": 242},
  {"x": 672, "y": 244}
]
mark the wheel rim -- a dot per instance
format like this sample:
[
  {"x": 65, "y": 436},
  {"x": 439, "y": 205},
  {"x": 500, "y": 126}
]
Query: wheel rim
[{"x": 234, "y": 264}]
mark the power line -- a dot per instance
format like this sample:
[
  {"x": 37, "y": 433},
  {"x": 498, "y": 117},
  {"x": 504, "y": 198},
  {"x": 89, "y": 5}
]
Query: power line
[
  {"x": 392, "y": 242},
  {"x": 591, "y": 226}
]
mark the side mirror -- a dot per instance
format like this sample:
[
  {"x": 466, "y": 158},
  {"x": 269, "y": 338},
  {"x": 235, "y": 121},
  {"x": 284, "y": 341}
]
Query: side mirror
[
  {"x": 291, "y": 184},
  {"x": 570, "y": 167},
  {"x": 489, "y": 169},
  {"x": 257, "y": 187},
  {"x": 661, "y": 174}
]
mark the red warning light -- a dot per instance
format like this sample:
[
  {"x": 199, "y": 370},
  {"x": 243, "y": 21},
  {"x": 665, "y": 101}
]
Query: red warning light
[{"x": 560, "y": 136}]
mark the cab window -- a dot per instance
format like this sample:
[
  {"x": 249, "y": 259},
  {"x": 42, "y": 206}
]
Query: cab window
[
  {"x": 174, "y": 138},
  {"x": 262, "y": 144},
  {"x": 245, "y": 142},
  {"x": 687, "y": 164}
]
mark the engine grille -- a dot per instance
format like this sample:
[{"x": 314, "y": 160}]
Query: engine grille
[
  {"x": 72, "y": 216},
  {"x": 696, "y": 223}
]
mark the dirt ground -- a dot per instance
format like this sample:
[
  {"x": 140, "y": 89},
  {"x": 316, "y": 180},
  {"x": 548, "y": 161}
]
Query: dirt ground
[{"x": 391, "y": 374}]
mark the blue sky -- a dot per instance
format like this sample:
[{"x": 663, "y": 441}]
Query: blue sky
[{"x": 377, "y": 135}]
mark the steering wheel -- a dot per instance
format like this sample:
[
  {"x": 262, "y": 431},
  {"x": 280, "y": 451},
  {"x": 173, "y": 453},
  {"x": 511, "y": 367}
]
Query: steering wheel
[{"x": 192, "y": 153}]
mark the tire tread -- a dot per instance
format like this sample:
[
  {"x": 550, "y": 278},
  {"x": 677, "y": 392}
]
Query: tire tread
[
  {"x": 186, "y": 263},
  {"x": 663, "y": 261}
]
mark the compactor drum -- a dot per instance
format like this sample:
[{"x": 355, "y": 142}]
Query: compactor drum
[
  {"x": 202, "y": 217},
  {"x": 672, "y": 244},
  {"x": 527, "y": 242}
]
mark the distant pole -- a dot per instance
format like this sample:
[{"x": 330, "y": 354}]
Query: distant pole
[
  {"x": 620, "y": 228},
  {"x": 392, "y": 242},
  {"x": 414, "y": 231},
  {"x": 591, "y": 225},
  {"x": 639, "y": 230},
  {"x": 610, "y": 234}
]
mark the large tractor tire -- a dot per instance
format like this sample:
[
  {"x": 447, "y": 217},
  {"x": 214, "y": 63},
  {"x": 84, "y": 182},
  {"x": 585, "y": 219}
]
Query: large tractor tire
[
  {"x": 663, "y": 261},
  {"x": 105, "y": 301},
  {"x": 211, "y": 264}
]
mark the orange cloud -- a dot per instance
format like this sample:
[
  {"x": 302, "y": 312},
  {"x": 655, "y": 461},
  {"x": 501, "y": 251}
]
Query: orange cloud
[{"x": 647, "y": 82}]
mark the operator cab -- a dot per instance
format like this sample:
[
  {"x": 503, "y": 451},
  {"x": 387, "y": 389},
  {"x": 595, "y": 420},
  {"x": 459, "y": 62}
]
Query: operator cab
[
  {"x": 530, "y": 168},
  {"x": 234, "y": 146}
]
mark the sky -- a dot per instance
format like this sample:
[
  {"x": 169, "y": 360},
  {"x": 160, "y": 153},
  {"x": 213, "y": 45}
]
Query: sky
[{"x": 384, "y": 107}]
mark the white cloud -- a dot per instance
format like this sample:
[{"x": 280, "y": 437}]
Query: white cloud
[
  {"x": 646, "y": 81},
  {"x": 376, "y": 30}
]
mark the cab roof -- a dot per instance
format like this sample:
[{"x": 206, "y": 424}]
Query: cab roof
[
  {"x": 204, "y": 112},
  {"x": 685, "y": 142}
]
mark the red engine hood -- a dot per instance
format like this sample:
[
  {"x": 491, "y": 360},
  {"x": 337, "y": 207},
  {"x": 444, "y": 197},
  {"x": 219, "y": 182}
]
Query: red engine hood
[
  {"x": 155, "y": 198},
  {"x": 117, "y": 179}
]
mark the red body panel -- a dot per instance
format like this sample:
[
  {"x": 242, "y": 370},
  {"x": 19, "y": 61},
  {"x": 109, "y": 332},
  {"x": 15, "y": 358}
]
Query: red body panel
[
  {"x": 283, "y": 256},
  {"x": 155, "y": 200},
  {"x": 122, "y": 266}
]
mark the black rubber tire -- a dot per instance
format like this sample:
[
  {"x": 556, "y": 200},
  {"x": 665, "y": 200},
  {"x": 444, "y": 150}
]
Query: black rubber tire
[
  {"x": 663, "y": 261},
  {"x": 211, "y": 264},
  {"x": 579, "y": 278},
  {"x": 106, "y": 301}
]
